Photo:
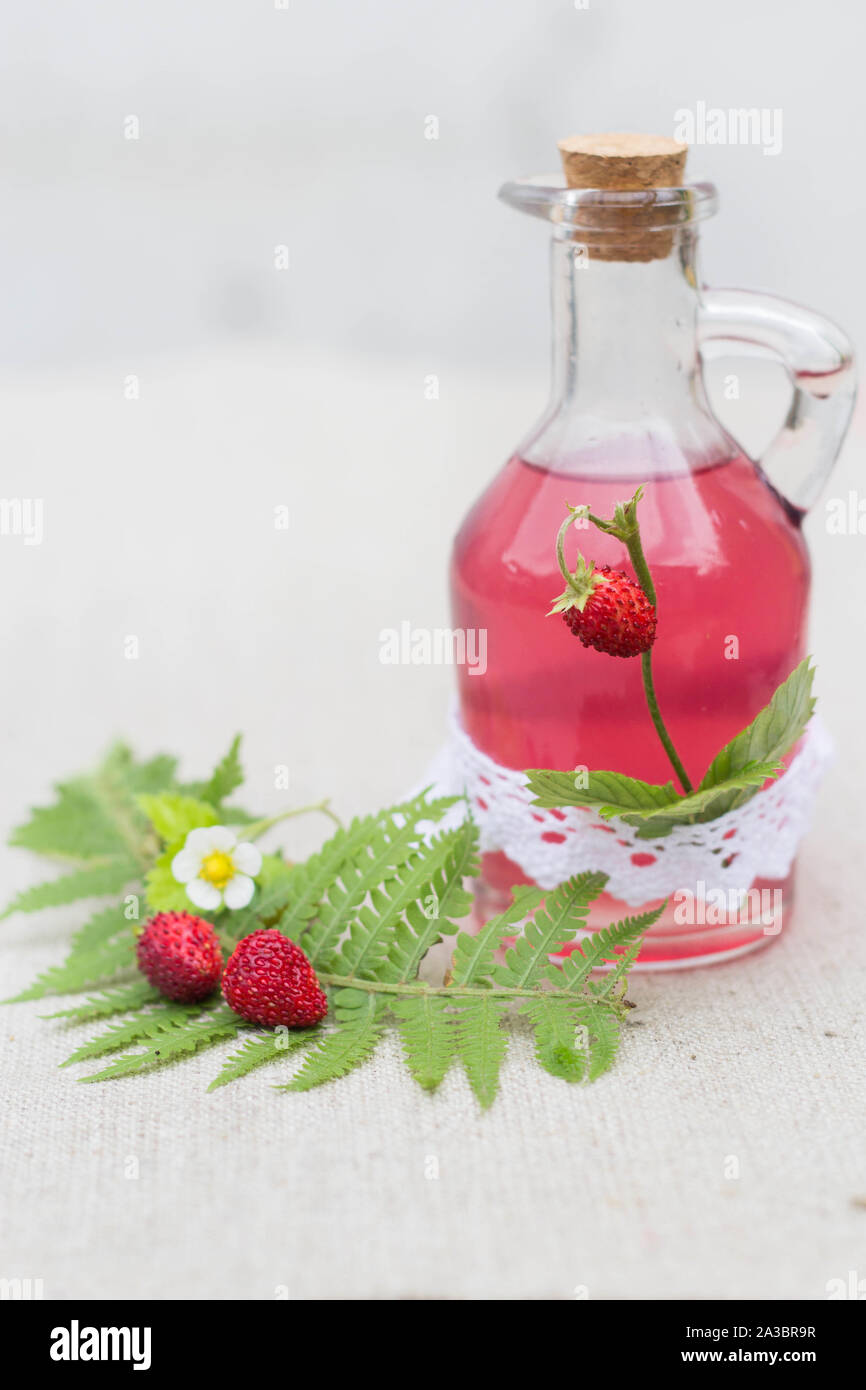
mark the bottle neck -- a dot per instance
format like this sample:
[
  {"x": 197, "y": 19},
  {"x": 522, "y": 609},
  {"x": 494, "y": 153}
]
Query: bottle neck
[{"x": 626, "y": 371}]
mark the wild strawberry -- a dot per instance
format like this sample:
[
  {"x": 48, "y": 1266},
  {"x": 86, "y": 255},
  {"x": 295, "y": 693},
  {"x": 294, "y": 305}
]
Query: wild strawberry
[
  {"x": 180, "y": 955},
  {"x": 607, "y": 610},
  {"x": 269, "y": 980}
]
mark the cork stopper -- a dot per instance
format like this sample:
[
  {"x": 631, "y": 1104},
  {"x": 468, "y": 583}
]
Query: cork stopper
[{"x": 624, "y": 163}]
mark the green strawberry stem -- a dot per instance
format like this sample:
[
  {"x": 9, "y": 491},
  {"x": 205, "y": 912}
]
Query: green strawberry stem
[
  {"x": 254, "y": 829},
  {"x": 626, "y": 527},
  {"x": 496, "y": 991},
  {"x": 644, "y": 578}
]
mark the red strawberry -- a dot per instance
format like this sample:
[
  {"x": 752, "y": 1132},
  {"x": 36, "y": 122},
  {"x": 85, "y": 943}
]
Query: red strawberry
[
  {"x": 610, "y": 612},
  {"x": 269, "y": 980},
  {"x": 180, "y": 955}
]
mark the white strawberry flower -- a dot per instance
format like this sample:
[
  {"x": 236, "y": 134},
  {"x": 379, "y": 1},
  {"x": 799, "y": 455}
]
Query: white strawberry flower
[{"x": 215, "y": 869}]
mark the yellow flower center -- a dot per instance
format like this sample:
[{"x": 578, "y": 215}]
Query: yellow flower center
[{"x": 217, "y": 868}]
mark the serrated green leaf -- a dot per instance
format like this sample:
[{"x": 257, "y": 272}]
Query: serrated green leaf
[
  {"x": 560, "y": 1044},
  {"x": 474, "y": 952},
  {"x": 482, "y": 1044},
  {"x": 411, "y": 895},
  {"x": 95, "y": 817},
  {"x": 176, "y": 1038},
  {"x": 442, "y": 902},
  {"x": 602, "y": 1026},
  {"x": 612, "y": 793},
  {"x": 352, "y": 1042},
  {"x": 173, "y": 815},
  {"x": 76, "y": 826},
  {"x": 257, "y": 1052},
  {"x": 393, "y": 841},
  {"x": 427, "y": 1028},
  {"x": 603, "y": 946},
  {"x": 555, "y": 924},
  {"x": 146, "y": 1023},
  {"x": 98, "y": 881},
  {"x": 226, "y": 777},
  {"x": 100, "y": 949},
  {"x": 653, "y": 809},
  {"x": 117, "y": 1000},
  {"x": 770, "y": 736}
]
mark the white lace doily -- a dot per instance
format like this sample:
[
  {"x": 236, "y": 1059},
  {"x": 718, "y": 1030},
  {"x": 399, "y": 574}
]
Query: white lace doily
[{"x": 759, "y": 839}]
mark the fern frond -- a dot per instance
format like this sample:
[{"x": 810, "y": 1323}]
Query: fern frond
[
  {"x": 559, "y": 1045},
  {"x": 602, "y": 1025},
  {"x": 226, "y": 777},
  {"x": 257, "y": 1052},
  {"x": 119, "y": 1000},
  {"x": 413, "y": 888},
  {"x": 600, "y": 947},
  {"x": 102, "y": 948},
  {"x": 422, "y": 928},
  {"x": 428, "y": 1032},
  {"x": 145, "y": 1024},
  {"x": 350, "y": 1043},
  {"x": 473, "y": 955},
  {"x": 94, "y": 818},
  {"x": 310, "y": 880},
  {"x": 167, "y": 1044},
  {"x": 96, "y": 881},
  {"x": 75, "y": 827},
  {"x": 482, "y": 1043},
  {"x": 86, "y": 971},
  {"x": 612, "y": 986},
  {"x": 555, "y": 923},
  {"x": 394, "y": 840}
]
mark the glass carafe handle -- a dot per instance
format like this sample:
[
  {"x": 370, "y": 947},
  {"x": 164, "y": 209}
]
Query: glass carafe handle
[{"x": 820, "y": 363}]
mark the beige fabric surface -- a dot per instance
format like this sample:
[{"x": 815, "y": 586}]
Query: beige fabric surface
[{"x": 159, "y": 523}]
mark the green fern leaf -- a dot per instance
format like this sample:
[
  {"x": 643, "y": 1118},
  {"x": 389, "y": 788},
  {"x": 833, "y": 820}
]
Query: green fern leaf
[
  {"x": 600, "y": 947},
  {"x": 95, "y": 817},
  {"x": 119, "y": 769},
  {"x": 118, "y": 1000},
  {"x": 559, "y": 1046},
  {"x": 473, "y": 955},
  {"x": 394, "y": 841},
  {"x": 413, "y": 888},
  {"x": 612, "y": 986},
  {"x": 75, "y": 827},
  {"x": 311, "y": 879},
  {"x": 173, "y": 1039},
  {"x": 429, "y": 1035},
  {"x": 350, "y": 1043},
  {"x": 96, "y": 881},
  {"x": 257, "y": 1052},
  {"x": 442, "y": 901},
  {"x": 482, "y": 1044},
  {"x": 602, "y": 1026},
  {"x": 100, "y": 949},
  {"x": 555, "y": 924},
  {"x": 226, "y": 777},
  {"x": 145, "y": 1024},
  {"x": 86, "y": 971}
]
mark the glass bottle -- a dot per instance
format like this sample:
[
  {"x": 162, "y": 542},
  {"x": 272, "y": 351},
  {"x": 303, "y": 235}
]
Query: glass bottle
[{"x": 628, "y": 406}]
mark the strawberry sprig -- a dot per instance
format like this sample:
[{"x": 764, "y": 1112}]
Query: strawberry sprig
[{"x": 612, "y": 613}]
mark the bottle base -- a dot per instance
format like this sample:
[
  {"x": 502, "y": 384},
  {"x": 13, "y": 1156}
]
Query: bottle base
[{"x": 691, "y": 931}]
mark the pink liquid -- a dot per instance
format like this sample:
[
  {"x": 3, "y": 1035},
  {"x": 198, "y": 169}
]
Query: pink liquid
[{"x": 730, "y": 567}]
